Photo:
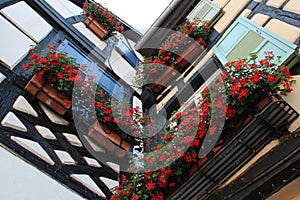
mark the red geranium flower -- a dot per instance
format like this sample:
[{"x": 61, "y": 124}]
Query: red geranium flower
[
  {"x": 153, "y": 71},
  {"x": 150, "y": 185},
  {"x": 134, "y": 197}
]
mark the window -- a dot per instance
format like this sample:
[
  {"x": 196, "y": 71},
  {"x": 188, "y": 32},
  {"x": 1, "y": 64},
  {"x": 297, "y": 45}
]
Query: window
[
  {"x": 127, "y": 52},
  {"x": 103, "y": 78},
  {"x": 73, "y": 51},
  {"x": 206, "y": 10},
  {"x": 107, "y": 82},
  {"x": 244, "y": 37}
]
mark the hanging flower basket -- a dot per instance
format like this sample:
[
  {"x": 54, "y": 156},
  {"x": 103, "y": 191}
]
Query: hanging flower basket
[
  {"x": 99, "y": 132},
  {"x": 96, "y": 27},
  {"x": 48, "y": 95}
]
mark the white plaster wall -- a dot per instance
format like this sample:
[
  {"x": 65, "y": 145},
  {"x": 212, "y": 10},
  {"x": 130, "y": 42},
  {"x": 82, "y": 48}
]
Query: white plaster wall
[{"x": 21, "y": 181}]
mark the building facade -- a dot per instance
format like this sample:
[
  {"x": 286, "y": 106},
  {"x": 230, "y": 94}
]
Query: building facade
[{"x": 242, "y": 166}]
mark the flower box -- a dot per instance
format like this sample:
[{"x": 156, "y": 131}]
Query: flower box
[
  {"x": 48, "y": 95},
  {"x": 203, "y": 160},
  {"x": 179, "y": 49},
  {"x": 99, "y": 132},
  {"x": 101, "y": 20},
  {"x": 164, "y": 79},
  {"x": 189, "y": 55},
  {"x": 258, "y": 106},
  {"x": 96, "y": 27}
]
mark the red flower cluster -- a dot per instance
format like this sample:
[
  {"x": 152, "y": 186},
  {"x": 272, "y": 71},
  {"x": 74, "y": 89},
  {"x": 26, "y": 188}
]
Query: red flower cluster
[
  {"x": 62, "y": 72},
  {"x": 172, "y": 47},
  {"x": 246, "y": 79},
  {"x": 195, "y": 28},
  {"x": 103, "y": 16},
  {"x": 56, "y": 68}
]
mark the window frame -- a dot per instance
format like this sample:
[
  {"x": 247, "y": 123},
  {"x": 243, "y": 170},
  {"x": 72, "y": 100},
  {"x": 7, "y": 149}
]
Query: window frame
[
  {"x": 201, "y": 6},
  {"x": 93, "y": 66},
  {"x": 127, "y": 54},
  {"x": 222, "y": 51}
]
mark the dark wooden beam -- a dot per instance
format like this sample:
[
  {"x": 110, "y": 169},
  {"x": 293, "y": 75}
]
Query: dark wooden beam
[{"x": 266, "y": 176}]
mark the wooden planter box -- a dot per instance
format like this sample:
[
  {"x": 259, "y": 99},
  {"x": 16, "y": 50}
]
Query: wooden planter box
[
  {"x": 203, "y": 160},
  {"x": 96, "y": 27},
  {"x": 48, "y": 95},
  {"x": 164, "y": 79},
  {"x": 100, "y": 133},
  {"x": 189, "y": 55},
  {"x": 261, "y": 104}
]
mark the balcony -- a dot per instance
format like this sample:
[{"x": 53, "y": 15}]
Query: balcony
[{"x": 237, "y": 148}]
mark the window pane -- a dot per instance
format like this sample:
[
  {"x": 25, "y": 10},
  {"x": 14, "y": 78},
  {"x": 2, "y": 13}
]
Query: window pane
[
  {"x": 247, "y": 45},
  {"x": 127, "y": 53},
  {"x": 205, "y": 10},
  {"x": 244, "y": 37},
  {"x": 74, "y": 52},
  {"x": 108, "y": 83}
]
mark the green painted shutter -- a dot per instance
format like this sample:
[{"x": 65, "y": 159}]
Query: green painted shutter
[
  {"x": 205, "y": 10},
  {"x": 244, "y": 37}
]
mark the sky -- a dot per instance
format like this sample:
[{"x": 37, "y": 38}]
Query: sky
[{"x": 140, "y": 14}]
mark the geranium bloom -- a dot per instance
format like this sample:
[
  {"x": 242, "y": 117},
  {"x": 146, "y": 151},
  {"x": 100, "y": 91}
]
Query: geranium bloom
[
  {"x": 272, "y": 78},
  {"x": 43, "y": 61},
  {"x": 72, "y": 78},
  {"x": 120, "y": 29},
  {"x": 34, "y": 56},
  {"x": 106, "y": 110},
  {"x": 27, "y": 66},
  {"x": 159, "y": 196},
  {"x": 255, "y": 78},
  {"x": 150, "y": 185},
  {"x": 153, "y": 71},
  {"x": 60, "y": 76},
  {"x": 134, "y": 197},
  {"x": 188, "y": 140},
  {"x": 235, "y": 89},
  {"x": 230, "y": 111},
  {"x": 110, "y": 20},
  {"x": 99, "y": 104},
  {"x": 151, "y": 160},
  {"x": 40, "y": 75},
  {"x": 107, "y": 118},
  {"x": 195, "y": 143},
  {"x": 172, "y": 185},
  {"x": 243, "y": 93}
]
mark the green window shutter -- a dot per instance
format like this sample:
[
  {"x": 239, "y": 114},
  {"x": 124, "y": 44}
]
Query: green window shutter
[
  {"x": 244, "y": 37},
  {"x": 205, "y": 10}
]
